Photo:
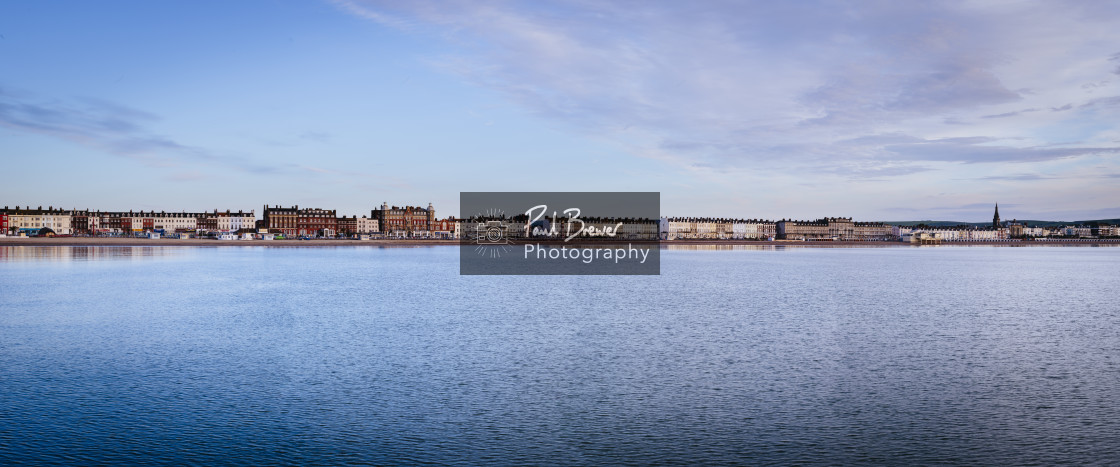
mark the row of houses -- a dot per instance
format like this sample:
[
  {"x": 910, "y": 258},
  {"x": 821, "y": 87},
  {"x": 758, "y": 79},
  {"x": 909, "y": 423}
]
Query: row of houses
[
  {"x": 408, "y": 221},
  {"x": 419, "y": 222},
  {"x": 387, "y": 221},
  {"x": 1012, "y": 230},
  {"x": 32, "y": 221},
  {"x": 1002, "y": 230},
  {"x": 708, "y": 228},
  {"x": 828, "y": 228}
]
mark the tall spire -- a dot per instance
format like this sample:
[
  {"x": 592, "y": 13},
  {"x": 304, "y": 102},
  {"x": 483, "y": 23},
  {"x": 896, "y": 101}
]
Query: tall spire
[{"x": 995, "y": 219}]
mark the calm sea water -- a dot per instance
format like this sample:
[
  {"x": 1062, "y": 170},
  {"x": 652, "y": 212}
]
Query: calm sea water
[{"x": 386, "y": 355}]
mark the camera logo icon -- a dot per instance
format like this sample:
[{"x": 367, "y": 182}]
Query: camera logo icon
[{"x": 491, "y": 233}]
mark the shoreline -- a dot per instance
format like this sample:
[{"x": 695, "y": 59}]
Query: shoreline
[{"x": 197, "y": 242}]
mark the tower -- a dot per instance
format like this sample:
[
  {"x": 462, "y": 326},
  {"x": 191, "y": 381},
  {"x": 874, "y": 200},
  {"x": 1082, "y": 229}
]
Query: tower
[{"x": 995, "y": 219}]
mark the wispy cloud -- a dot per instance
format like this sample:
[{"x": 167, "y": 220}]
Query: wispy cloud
[
  {"x": 1010, "y": 114},
  {"x": 115, "y": 129},
  {"x": 112, "y": 128},
  {"x": 1019, "y": 177},
  {"x": 980, "y": 149},
  {"x": 786, "y": 86},
  {"x": 1111, "y": 101},
  {"x": 315, "y": 136}
]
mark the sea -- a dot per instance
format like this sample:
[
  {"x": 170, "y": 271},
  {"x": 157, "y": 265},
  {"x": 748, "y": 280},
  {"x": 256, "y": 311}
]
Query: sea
[{"x": 388, "y": 356}]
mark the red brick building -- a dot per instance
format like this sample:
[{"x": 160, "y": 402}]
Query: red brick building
[
  {"x": 207, "y": 222},
  {"x": 408, "y": 221},
  {"x": 281, "y": 220},
  {"x": 126, "y": 222},
  {"x": 111, "y": 222},
  {"x": 79, "y": 222},
  {"x": 444, "y": 228},
  {"x": 348, "y": 225},
  {"x": 317, "y": 222}
]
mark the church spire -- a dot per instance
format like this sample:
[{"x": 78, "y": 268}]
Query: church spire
[{"x": 995, "y": 219}]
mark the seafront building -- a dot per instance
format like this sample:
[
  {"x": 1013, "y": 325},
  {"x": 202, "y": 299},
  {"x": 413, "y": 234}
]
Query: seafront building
[
  {"x": 834, "y": 228},
  {"x": 355, "y": 225},
  {"x": 1077, "y": 231},
  {"x": 1007, "y": 230},
  {"x": 279, "y": 220},
  {"x": 316, "y": 222},
  {"x": 236, "y": 221},
  {"x": 445, "y": 228},
  {"x": 707, "y": 228},
  {"x": 405, "y": 222},
  {"x": 173, "y": 222},
  {"x": 418, "y": 222},
  {"x": 27, "y": 220},
  {"x": 296, "y": 221}
]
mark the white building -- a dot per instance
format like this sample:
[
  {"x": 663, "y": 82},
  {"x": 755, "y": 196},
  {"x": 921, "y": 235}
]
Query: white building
[
  {"x": 1077, "y": 231},
  {"x": 31, "y": 221},
  {"x": 984, "y": 235},
  {"x": 751, "y": 229},
  {"x": 234, "y": 221},
  {"x": 367, "y": 225},
  {"x": 171, "y": 222}
]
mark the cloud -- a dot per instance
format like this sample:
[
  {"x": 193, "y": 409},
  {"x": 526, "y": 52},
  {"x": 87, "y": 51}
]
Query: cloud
[
  {"x": 978, "y": 149},
  {"x": 1010, "y": 114},
  {"x": 1111, "y": 101},
  {"x": 112, "y": 128},
  {"x": 315, "y": 136},
  {"x": 1019, "y": 177},
  {"x": 116, "y": 129},
  {"x": 898, "y": 148},
  {"x": 784, "y": 86},
  {"x": 874, "y": 171},
  {"x": 188, "y": 176}
]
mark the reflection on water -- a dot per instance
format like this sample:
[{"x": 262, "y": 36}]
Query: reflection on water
[
  {"x": 722, "y": 247},
  {"x": 770, "y": 247},
  {"x": 384, "y": 356},
  {"x": 66, "y": 254}
]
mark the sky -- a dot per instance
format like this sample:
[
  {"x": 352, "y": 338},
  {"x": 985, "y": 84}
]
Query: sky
[{"x": 750, "y": 109}]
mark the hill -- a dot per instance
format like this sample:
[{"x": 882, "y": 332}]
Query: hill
[{"x": 1029, "y": 223}]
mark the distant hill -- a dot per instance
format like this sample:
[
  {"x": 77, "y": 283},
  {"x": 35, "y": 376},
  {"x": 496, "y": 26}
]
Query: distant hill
[
  {"x": 1029, "y": 223},
  {"x": 935, "y": 223}
]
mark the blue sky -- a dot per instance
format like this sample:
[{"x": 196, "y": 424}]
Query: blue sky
[{"x": 877, "y": 110}]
